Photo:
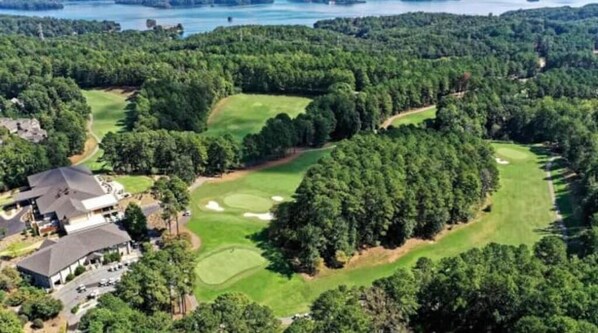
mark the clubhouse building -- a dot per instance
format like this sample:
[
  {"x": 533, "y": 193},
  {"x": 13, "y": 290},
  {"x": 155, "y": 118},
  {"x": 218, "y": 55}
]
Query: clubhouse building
[
  {"x": 49, "y": 266},
  {"x": 70, "y": 199}
]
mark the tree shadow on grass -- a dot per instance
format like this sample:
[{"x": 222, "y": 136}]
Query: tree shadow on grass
[{"x": 278, "y": 263}]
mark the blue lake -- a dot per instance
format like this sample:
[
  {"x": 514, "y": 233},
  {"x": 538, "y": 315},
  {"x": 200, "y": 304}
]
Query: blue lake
[{"x": 202, "y": 19}]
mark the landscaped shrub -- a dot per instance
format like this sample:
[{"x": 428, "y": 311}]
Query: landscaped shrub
[
  {"x": 23, "y": 318},
  {"x": 15, "y": 299},
  {"x": 42, "y": 307},
  {"x": 75, "y": 309},
  {"x": 79, "y": 270},
  {"x": 70, "y": 277},
  {"x": 111, "y": 257},
  {"x": 37, "y": 324}
]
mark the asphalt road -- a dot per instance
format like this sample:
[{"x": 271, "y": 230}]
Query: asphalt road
[{"x": 13, "y": 225}]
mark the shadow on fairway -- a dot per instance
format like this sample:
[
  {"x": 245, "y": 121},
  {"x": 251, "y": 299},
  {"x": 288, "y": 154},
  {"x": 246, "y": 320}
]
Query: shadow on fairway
[{"x": 278, "y": 263}]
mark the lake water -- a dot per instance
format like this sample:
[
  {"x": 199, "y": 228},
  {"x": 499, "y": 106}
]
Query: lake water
[{"x": 202, "y": 19}]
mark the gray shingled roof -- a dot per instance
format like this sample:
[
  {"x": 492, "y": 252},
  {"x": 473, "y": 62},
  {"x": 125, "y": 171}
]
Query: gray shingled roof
[
  {"x": 53, "y": 258},
  {"x": 62, "y": 190}
]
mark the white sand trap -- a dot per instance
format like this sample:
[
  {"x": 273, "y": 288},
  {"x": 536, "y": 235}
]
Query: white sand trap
[
  {"x": 263, "y": 217},
  {"x": 277, "y": 198},
  {"x": 501, "y": 161},
  {"x": 213, "y": 205}
]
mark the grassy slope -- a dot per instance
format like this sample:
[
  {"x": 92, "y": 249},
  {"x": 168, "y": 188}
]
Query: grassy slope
[
  {"x": 108, "y": 109},
  {"x": 416, "y": 118},
  {"x": 135, "y": 184},
  {"x": 242, "y": 114},
  {"x": 521, "y": 212}
]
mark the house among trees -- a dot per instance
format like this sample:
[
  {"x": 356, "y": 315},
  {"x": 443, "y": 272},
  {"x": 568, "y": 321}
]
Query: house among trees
[
  {"x": 56, "y": 260},
  {"x": 25, "y": 128},
  {"x": 70, "y": 199}
]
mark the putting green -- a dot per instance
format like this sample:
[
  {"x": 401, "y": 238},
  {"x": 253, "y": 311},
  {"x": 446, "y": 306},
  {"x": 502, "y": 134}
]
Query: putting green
[
  {"x": 225, "y": 264},
  {"x": 510, "y": 153},
  {"x": 250, "y": 202}
]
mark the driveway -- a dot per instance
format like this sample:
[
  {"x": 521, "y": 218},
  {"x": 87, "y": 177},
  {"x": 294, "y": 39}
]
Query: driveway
[{"x": 14, "y": 225}]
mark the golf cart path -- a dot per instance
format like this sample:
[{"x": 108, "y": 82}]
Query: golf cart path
[
  {"x": 87, "y": 155},
  {"x": 409, "y": 112},
  {"x": 559, "y": 217}
]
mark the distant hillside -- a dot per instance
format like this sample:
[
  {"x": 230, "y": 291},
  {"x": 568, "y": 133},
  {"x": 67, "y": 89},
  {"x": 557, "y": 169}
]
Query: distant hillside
[
  {"x": 52, "y": 27},
  {"x": 30, "y": 4}
]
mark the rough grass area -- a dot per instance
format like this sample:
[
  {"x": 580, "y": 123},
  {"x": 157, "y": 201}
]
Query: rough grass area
[
  {"x": 108, "y": 108},
  {"x": 242, "y": 114},
  {"x": 135, "y": 184},
  {"x": 521, "y": 213},
  {"x": 225, "y": 264},
  {"x": 415, "y": 118}
]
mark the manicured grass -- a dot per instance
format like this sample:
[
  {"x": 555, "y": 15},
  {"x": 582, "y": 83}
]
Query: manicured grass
[
  {"x": 415, "y": 118},
  {"x": 242, "y": 114},
  {"x": 225, "y": 264},
  {"x": 521, "y": 214},
  {"x": 135, "y": 184},
  {"x": 108, "y": 110}
]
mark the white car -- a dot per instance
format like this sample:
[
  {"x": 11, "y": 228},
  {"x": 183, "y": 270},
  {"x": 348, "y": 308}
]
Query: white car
[
  {"x": 111, "y": 281},
  {"x": 81, "y": 288},
  {"x": 103, "y": 282},
  {"x": 95, "y": 293}
]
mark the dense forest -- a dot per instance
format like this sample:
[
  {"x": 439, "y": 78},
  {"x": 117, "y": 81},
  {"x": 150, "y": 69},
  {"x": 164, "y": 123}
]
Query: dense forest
[
  {"x": 31, "y": 4},
  {"x": 383, "y": 189},
  {"x": 527, "y": 76},
  {"x": 51, "y": 27},
  {"x": 497, "y": 288}
]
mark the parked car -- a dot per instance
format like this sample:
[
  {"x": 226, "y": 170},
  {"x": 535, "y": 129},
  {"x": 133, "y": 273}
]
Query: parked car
[
  {"x": 103, "y": 282},
  {"x": 119, "y": 265},
  {"x": 111, "y": 281},
  {"x": 81, "y": 288},
  {"x": 187, "y": 213},
  {"x": 95, "y": 293}
]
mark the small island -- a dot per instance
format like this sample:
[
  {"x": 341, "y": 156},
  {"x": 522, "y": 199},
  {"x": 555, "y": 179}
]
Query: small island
[{"x": 31, "y": 4}]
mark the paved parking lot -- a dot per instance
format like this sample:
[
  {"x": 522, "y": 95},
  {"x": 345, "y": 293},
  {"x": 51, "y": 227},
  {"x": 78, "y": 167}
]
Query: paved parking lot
[{"x": 70, "y": 297}]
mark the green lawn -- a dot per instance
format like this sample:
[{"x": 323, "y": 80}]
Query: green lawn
[
  {"x": 521, "y": 213},
  {"x": 135, "y": 184},
  {"x": 242, "y": 114},
  {"x": 108, "y": 110},
  {"x": 226, "y": 264},
  {"x": 415, "y": 118}
]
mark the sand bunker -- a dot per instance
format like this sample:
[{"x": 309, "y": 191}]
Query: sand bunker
[
  {"x": 277, "y": 198},
  {"x": 213, "y": 205},
  {"x": 263, "y": 217},
  {"x": 501, "y": 161}
]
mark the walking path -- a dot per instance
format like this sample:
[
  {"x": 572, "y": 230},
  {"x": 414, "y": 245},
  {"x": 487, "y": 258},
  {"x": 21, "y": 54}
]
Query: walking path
[
  {"x": 87, "y": 155},
  {"x": 559, "y": 217}
]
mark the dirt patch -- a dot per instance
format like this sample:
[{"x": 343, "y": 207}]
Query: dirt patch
[
  {"x": 91, "y": 147},
  {"x": 195, "y": 240},
  {"x": 277, "y": 198},
  {"x": 55, "y": 325}
]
